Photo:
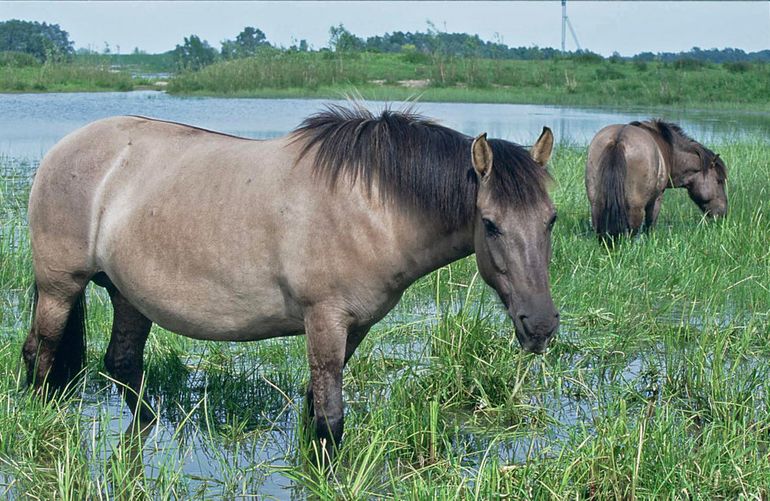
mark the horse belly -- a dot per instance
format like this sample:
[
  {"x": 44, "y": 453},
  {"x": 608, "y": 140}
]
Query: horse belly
[
  {"x": 200, "y": 294},
  {"x": 199, "y": 309}
]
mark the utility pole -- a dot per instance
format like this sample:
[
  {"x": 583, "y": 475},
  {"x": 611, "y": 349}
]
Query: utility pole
[{"x": 564, "y": 24}]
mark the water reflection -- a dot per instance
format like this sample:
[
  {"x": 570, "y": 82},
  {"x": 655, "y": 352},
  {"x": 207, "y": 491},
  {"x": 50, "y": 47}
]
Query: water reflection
[{"x": 31, "y": 123}]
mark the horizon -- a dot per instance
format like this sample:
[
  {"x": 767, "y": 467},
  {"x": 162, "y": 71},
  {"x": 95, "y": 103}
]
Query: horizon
[{"x": 686, "y": 25}]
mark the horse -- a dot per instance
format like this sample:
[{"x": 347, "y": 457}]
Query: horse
[
  {"x": 630, "y": 166},
  {"x": 218, "y": 237}
]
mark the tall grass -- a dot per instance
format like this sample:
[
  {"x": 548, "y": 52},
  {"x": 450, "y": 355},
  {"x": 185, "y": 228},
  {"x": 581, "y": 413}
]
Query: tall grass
[
  {"x": 63, "y": 77},
  {"x": 277, "y": 73},
  {"x": 654, "y": 388},
  {"x": 557, "y": 81}
]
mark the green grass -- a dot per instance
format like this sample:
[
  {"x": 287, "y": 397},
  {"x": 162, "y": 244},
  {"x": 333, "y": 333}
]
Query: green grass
[
  {"x": 654, "y": 388},
  {"x": 66, "y": 78},
  {"x": 139, "y": 63},
  {"x": 565, "y": 82},
  {"x": 284, "y": 74},
  {"x": 85, "y": 73}
]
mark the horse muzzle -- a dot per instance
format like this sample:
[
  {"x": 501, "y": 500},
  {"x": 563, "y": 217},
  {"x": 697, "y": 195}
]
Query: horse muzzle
[
  {"x": 716, "y": 210},
  {"x": 535, "y": 329}
]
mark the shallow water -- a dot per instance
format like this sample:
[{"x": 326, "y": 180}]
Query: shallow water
[
  {"x": 31, "y": 123},
  {"x": 191, "y": 439}
]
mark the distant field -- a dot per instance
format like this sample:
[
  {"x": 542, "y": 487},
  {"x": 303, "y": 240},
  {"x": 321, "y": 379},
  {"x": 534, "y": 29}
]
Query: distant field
[
  {"x": 655, "y": 388},
  {"x": 575, "y": 81},
  {"x": 569, "y": 81}
]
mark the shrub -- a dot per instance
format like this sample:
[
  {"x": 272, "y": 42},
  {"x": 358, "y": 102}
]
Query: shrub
[
  {"x": 607, "y": 72},
  {"x": 17, "y": 59},
  {"x": 586, "y": 56},
  {"x": 738, "y": 66},
  {"x": 688, "y": 63}
]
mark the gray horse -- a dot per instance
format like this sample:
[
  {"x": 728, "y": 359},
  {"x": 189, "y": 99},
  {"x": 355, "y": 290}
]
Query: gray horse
[
  {"x": 319, "y": 232},
  {"x": 630, "y": 166}
]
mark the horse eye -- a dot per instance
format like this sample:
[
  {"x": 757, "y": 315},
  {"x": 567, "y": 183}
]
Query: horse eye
[
  {"x": 490, "y": 227},
  {"x": 552, "y": 222}
]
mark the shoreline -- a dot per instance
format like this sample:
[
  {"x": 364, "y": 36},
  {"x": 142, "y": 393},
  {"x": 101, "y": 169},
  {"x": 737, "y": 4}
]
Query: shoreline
[{"x": 426, "y": 95}]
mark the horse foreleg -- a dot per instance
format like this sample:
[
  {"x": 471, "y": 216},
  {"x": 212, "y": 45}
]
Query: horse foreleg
[
  {"x": 354, "y": 339},
  {"x": 326, "y": 350},
  {"x": 124, "y": 358}
]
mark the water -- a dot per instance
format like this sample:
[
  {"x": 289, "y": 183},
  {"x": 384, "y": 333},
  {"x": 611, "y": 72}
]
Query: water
[{"x": 31, "y": 123}]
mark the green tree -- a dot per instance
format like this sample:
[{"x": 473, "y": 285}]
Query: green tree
[
  {"x": 300, "y": 46},
  {"x": 247, "y": 43},
  {"x": 44, "y": 41},
  {"x": 342, "y": 40},
  {"x": 194, "y": 54}
]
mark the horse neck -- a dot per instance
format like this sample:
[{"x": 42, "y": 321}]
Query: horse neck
[
  {"x": 682, "y": 161},
  {"x": 429, "y": 246},
  {"x": 666, "y": 150}
]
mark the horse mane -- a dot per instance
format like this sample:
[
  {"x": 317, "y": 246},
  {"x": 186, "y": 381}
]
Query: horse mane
[
  {"x": 414, "y": 162},
  {"x": 676, "y": 138}
]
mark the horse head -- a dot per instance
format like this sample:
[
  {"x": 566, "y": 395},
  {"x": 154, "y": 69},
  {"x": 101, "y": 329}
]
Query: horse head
[
  {"x": 512, "y": 233},
  {"x": 706, "y": 185}
]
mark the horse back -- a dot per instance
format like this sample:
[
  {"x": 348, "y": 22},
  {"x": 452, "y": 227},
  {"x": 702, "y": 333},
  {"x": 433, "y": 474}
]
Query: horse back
[{"x": 125, "y": 193}]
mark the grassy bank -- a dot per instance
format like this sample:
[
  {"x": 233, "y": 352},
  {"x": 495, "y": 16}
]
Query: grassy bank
[
  {"x": 85, "y": 73},
  {"x": 60, "y": 77},
  {"x": 565, "y": 82},
  {"x": 655, "y": 387},
  {"x": 576, "y": 81}
]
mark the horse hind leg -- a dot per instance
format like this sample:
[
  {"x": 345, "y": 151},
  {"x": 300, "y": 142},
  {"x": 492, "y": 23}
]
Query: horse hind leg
[
  {"x": 54, "y": 351},
  {"x": 124, "y": 357},
  {"x": 651, "y": 213}
]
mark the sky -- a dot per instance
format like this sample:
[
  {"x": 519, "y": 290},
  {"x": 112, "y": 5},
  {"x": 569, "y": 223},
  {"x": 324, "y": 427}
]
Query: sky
[{"x": 604, "y": 27}]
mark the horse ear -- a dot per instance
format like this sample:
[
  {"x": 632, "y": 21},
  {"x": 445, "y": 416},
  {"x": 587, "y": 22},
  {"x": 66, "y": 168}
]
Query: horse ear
[
  {"x": 541, "y": 151},
  {"x": 481, "y": 155}
]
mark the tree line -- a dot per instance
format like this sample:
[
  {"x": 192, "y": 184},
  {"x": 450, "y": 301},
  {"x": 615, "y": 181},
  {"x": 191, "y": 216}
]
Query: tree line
[
  {"x": 195, "y": 53},
  {"x": 41, "y": 41},
  {"x": 48, "y": 42}
]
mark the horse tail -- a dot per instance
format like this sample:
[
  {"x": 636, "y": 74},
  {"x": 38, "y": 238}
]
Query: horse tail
[
  {"x": 70, "y": 356},
  {"x": 612, "y": 209}
]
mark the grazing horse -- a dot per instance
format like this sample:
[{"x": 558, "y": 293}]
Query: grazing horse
[
  {"x": 630, "y": 166},
  {"x": 319, "y": 232}
]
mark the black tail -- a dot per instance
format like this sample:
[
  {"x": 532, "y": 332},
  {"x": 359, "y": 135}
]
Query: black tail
[
  {"x": 612, "y": 219},
  {"x": 71, "y": 354}
]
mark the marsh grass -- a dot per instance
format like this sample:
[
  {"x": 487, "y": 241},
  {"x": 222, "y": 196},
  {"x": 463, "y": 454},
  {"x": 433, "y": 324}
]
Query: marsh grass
[
  {"x": 654, "y": 388},
  {"x": 557, "y": 81},
  {"x": 65, "y": 77}
]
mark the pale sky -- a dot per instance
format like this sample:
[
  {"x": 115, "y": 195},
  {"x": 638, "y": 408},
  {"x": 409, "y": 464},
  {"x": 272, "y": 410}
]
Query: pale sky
[{"x": 603, "y": 27}]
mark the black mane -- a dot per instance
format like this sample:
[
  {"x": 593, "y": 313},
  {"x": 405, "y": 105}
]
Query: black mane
[
  {"x": 414, "y": 162},
  {"x": 676, "y": 138}
]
